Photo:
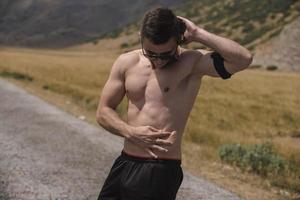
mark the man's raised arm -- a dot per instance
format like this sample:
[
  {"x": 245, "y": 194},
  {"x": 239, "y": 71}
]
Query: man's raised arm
[{"x": 227, "y": 58}]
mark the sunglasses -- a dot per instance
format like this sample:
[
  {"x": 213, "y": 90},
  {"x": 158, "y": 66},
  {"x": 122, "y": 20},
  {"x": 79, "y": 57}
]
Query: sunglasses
[
  {"x": 169, "y": 55},
  {"x": 161, "y": 56}
]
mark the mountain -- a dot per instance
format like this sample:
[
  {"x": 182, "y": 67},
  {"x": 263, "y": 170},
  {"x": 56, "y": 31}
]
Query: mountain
[
  {"x": 58, "y": 23},
  {"x": 269, "y": 28},
  {"x": 282, "y": 52}
]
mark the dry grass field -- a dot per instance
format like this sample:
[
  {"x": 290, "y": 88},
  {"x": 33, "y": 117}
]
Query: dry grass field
[{"x": 252, "y": 107}]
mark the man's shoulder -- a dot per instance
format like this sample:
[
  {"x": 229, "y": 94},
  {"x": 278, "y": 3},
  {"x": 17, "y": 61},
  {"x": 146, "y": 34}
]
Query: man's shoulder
[
  {"x": 127, "y": 60},
  {"x": 130, "y": 56}
]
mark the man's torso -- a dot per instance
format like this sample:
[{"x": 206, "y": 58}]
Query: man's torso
[{"x": 162, "y": 98}]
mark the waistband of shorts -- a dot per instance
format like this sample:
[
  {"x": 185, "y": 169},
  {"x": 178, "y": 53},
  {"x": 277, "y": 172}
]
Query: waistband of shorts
[{"x": 127, "y": 156}]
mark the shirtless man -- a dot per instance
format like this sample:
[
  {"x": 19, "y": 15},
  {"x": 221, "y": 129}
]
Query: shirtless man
[{"x": 161, "y": 82}]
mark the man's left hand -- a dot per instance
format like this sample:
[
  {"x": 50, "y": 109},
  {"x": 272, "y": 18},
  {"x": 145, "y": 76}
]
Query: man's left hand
[{"x": 191, "y": 30}]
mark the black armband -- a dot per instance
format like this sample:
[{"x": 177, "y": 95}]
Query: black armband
[{"x": 219, "y": 65}]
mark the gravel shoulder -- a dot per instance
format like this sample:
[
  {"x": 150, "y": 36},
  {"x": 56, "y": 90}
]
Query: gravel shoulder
[{"x": 46, "y": 153}]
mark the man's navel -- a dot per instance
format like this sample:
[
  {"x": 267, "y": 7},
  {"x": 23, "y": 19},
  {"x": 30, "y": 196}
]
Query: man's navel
[{"x": 166, "y": 89}]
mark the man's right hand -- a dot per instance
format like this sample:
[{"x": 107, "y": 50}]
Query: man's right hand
[{"x": 149, "y": 138}]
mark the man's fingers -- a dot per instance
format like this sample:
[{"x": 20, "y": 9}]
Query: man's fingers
[
  {"x": 154, "y": 129},
  {"x": 182, "y": 18},
  {"x": 159, "y": 148},
  {"x": 151, "y": 153},
  {"x": 162, "y": 142},
  {"x": 162, "y": 134}
]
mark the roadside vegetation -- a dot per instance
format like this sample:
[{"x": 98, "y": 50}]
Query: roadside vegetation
[
  {"x": 245, "y": 129},
  {"x": 251, "y": 108}
]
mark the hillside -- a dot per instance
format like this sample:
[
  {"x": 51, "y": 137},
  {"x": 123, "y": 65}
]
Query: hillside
[
  {"x": 250, "y": 23},
  {"x": 282, "y": 52},
  {"x": 45, "y": 23},
  {"x": 59, "y": 23},
  {"x": 247, "y": 22}
]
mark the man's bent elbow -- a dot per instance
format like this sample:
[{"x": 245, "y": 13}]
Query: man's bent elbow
[
  {"x": 100, "y": 120},
  {"x": 247, "y": 60},
  {"x": 100, "y": 117}
]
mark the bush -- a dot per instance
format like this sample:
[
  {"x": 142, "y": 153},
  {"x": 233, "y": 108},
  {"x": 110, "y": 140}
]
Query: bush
[
  {"x": 113, "y": 34},
  {"x": 95, "y": 42},
  {"x": 260, "y": 158},
  {"x": 232, "y": 154},
  {"x": 16, "y": 75},
  {"x": 124, "y": 45},
  {"x": 296, "y": 134},
  {"x": 272, "y": 67},
  {"x": 248, "y": 27},
  {"x": 255, "y": 34}
]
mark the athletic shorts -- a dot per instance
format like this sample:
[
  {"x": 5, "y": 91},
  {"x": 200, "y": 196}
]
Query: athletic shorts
[{"x": 139, "y": 178}]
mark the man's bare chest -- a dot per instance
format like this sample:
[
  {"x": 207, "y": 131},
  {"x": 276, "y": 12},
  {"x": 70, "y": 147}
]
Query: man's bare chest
[{"x": 145, "y": 84}]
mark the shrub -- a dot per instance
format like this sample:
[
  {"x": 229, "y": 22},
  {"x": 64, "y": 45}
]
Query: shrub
[
  {"x": 232, "y": 154},
  {"x": 95, "y": 42},
  {"x": 296, "y": 134},
  {"x": 124, "y": 45},
  {"x": 113, "y": 34},
  {"x": 255, "y": 34},
  {"x": 16, "y": 75},
  {"x": 272, "y": 67},
  {"x": 260, "y": 158},
  {"x": 248, "y": 27}
]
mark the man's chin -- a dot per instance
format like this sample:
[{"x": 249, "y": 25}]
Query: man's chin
[
  {"x": 158, "y": 66},
  {"x": 161, "y": 66},
  {"x": 166, "y": 65}
]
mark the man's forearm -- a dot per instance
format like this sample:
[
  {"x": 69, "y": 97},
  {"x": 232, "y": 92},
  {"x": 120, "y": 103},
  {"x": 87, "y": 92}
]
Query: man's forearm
[
  {"x": 110, "y": 120},
  {"x": 231, "y": 51}
]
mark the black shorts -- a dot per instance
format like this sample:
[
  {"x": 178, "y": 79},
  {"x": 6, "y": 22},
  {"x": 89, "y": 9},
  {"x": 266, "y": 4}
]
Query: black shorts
[{"x": 137, "y": 178}]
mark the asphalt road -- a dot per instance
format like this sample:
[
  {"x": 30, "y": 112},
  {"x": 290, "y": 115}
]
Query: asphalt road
[{"x": 48, "y": 154}]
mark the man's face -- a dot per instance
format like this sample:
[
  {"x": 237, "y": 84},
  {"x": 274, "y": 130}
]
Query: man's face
[{"x": 160, "y": 54}]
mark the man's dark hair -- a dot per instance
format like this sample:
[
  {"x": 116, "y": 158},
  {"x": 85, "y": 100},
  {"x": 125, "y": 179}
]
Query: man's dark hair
[{"x": 160, "y": 24}]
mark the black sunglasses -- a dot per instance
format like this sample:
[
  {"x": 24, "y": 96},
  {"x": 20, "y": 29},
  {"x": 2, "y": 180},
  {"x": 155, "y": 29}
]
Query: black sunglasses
[{"x": 162, "y": 56}]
